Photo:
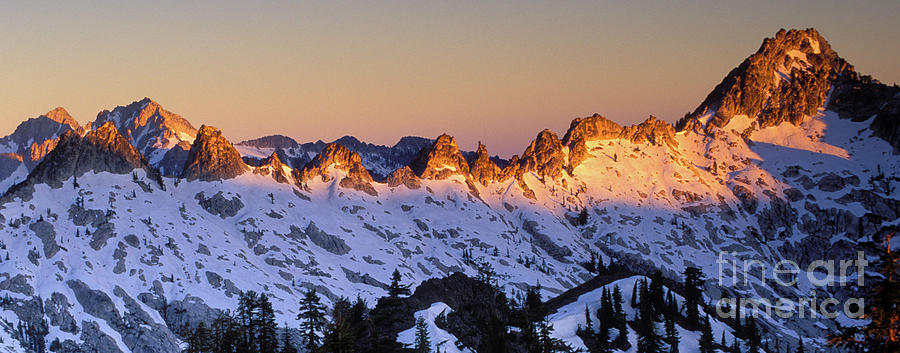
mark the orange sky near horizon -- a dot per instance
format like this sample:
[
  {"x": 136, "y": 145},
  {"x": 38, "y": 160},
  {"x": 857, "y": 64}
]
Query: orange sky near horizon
[{"x": 497, "y": 72}]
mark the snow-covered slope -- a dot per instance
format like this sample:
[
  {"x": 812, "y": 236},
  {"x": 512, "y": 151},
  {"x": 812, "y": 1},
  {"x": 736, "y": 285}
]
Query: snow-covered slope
[{"x": 120, "y": 261}]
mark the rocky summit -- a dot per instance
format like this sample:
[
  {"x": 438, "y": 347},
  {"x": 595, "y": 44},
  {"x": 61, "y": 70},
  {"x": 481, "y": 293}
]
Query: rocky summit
[
  {"x": 130, "y": 235},
  {"x": 483, "y": 169},
  {"x": 338, "y": 157},
  {"x": 441, "y": 160},
  {"x": 212, "y": 157},
  {"x": 544, "y": 156}
]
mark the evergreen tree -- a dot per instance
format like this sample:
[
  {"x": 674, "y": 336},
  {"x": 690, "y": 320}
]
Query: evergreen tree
[
  {"x": 587, "y": 320},
  {"x": 547, "y": 344},
  {"x": 247, "y": 322},
  {"x": 671, "y": 303},
  {"x": 735, "y": 347},
  {"x": 634, "y": 294},
  {"x": 198, "y": 339},
  {"x": 672, "y": 337},
  {"x": 267, "y": 337},
  {"x": 582, "y": 217},
  {"x": 287, "y": 344},
  {"x": 706, "y": 338},
  {"x": 312, "y": 319},
  {"x": 621, "y": 321},
  {"x": 800, "y": 346},
  {"x": 752, "y": 334},
  {"x": 532, "y": 314},
  {"x": 648, "y": 338},
  {"x": 605, "y": 314},
  {"x": 422, "y": 344},
  {"x": 655, "y": 291},
  {"x": 882, "y": 333},
  {"x": 396, "y": 288},
  {"x": 225, "y": 334},
  {"x": 693, "y": 292},
  {"x": 339, "y": 334}
]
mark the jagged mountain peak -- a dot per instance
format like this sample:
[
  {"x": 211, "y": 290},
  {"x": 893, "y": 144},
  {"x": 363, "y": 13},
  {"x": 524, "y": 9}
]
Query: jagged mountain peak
[
  {"x": 483, "y": 169},
  {"x": 339, "y": 157},
  {"x": 212, "y": 157},
  {"x": 62, "y": 116},
  {"x": 544, "y": 156},
  {"x": 787, "y": 79},
  {"x": 441, "y": 160},
  {"x": 36, "y": 137},
  {"x": 149, "y": 127},
  {"x": 273, "y": 165}
]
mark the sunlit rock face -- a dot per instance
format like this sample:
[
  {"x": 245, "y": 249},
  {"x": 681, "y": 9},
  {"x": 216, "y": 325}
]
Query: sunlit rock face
[
  {"x": 152, "y": 129},
  {"x": 786, "y": 79},
  {"x": 544, "y": 156},
  {"x": 338, "y": 157},
  {"x": 441, "y": 160},
  {"x": 212, "y": 157},
  {"x": 34, "y": 138},
  {"x": 483, "y": 169}
]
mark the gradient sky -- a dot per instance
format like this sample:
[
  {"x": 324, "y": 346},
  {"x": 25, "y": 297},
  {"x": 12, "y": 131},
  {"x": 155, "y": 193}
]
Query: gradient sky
[{"x": 495, "y": 71}]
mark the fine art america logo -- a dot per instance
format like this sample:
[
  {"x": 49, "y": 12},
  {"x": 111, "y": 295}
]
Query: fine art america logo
[{"x": 819, "y": 274}]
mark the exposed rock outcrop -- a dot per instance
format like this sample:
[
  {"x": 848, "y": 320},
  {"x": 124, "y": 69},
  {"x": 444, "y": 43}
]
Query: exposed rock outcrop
[
  {"x": 441, "y": 160},
  {"x": 339, "y": 157},
  {"x": 404, "y": 176},
  {"x": 329, "y": 242},
  {"x": 483, "y": 169},
  {"x": 272, "y": 166},
  {"x": 592, "y": 128},
  {"x": 219, "y": 205},
  {"x": 212, "y": 157},
  {"x": 786, "y": 79},
  {"x": 652, "y": 130},
  {"x": 544, "y": 156}
]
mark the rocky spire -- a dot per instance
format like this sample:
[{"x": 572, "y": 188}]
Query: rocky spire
[
  {"x": 544, "y": 156},
  {"x": 100, "y": 150},
  {"x": 339, "y": 157},
  {"x": 212, "y": 157},
  {"x": 272, "y": 166},
  {"x": 441, "y": 160},
  {"x": 785, "y": 80},
  {"x": 483, "y": 169}
]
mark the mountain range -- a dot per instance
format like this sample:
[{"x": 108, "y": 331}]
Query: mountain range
[{"x": 118, "y": 233}]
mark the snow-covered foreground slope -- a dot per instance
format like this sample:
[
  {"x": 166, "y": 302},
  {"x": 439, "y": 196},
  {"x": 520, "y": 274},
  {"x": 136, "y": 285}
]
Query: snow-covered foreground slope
[
  {"x": 440, "y": 340},
  {"x": 571, "y": 317}
]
